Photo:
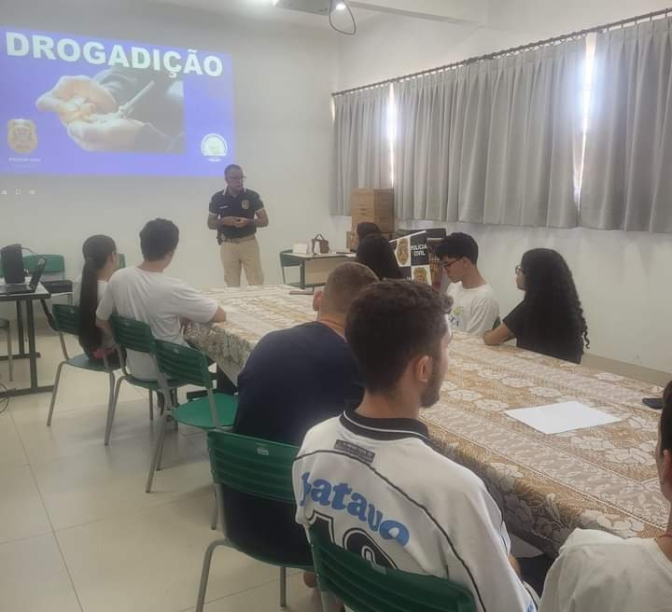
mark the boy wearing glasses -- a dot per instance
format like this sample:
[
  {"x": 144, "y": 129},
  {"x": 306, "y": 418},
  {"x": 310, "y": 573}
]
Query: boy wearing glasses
[{"x": 475, "y": 308}]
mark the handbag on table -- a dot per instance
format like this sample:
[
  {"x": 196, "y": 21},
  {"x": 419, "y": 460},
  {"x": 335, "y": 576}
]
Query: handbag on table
[{"x": 320, "y": 245}]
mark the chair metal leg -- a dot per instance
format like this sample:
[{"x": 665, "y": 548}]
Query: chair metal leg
[
  {"x": 159, "y": 467},
  {"x": 151, "y": 405},
  {"x": 158, "y": 449},
  {"x": 215, "y": 511},
  {"x": 205, "y": 573},
  {"x": 111, "y": 410},
  {"x": 55, "y": 391},
  {"x": 110, "y": 399},
  {"x": 283, "y": 587},
  {"x": 10, "y": 357}
]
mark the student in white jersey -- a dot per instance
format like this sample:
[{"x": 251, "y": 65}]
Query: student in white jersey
[
  {"x": 371, "y": 477},
  {"x": 475, "y": 308},
  {"x": 146, "y": 294},
  {"x": 599, "y": 572}
]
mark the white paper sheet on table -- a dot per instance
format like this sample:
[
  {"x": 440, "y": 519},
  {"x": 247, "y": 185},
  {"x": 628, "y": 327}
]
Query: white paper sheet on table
[{"x": 558, "y": 418}]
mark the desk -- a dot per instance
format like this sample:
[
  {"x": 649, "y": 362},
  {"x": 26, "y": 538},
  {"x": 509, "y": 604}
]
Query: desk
[
  {"x": 28, "y": 298},
  {"x": 316, "y": 268},
  {"x": 603, "y": 478}
]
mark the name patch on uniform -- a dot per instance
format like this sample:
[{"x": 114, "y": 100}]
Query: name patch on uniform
[{"x": 353, "y": 450}]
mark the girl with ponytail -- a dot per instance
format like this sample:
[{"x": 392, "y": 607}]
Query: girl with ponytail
[{"x": 100, "y": 262}]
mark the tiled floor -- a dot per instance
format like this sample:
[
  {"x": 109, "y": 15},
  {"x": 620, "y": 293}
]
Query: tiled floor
[{"x": 77, "y": 531}]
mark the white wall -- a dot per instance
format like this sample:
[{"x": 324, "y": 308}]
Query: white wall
[
  {"x": 283, "y": 78},
  {"x": 624, "y": 279}
]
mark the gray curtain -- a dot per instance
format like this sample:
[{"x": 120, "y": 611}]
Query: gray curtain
[
  {"x": 362, "y": 151},
  {"x": 425, "y": 147},
  {"x": 494, "y": 142},
  {"x": 627, "y": 180}
]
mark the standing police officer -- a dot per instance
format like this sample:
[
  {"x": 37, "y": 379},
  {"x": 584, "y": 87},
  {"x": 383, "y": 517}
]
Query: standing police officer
[{"x": 236, "y": 213}]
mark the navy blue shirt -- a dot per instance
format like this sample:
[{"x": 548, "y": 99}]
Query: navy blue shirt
[
  {"x": 245, "y": 205},
  {"x": 294, "y": 379}
]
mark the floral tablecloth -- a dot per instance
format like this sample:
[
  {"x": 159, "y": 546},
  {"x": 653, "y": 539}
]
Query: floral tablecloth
[{"x": 603, "y": 477}]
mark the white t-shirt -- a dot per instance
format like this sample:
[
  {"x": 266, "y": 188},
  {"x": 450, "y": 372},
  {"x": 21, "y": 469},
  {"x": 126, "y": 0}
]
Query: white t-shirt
[
  {"x": 77, "y": 290},
  {"x": 474, "y": 310},
  {"x": 385, "y": 494},
  {"x": 600, "y": 572},
  {"x": 158, "y": 300}
]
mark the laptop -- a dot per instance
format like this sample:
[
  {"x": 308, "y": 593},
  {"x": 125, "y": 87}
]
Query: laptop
[{"x": 30, "y": 287}]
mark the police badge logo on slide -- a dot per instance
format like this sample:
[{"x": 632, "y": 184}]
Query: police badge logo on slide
[
  {"x": 214, "y": 146},
  {"x": 22, "y": 135}
]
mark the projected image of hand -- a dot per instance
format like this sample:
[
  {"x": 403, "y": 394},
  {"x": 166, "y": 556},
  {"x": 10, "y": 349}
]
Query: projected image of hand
[
  {"x": 120, "y": 110},
  {"x": 77, "y": 97},
  {"x": 105, "y": 133}
]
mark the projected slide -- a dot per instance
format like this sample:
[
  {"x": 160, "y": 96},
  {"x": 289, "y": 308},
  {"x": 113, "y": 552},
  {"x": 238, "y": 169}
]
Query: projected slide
[{"x": 75, "y": 105}]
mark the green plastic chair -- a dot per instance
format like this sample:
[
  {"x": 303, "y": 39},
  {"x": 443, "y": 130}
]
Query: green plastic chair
[
  {"x": 181, "y": 365},
  {"x": 366, "y": 587},
  {"x": 55, "y": 264},
  {"x": 287, "y": 261},
  {"x": 133, "y": 335},
  {"x": 66, "y": 319},
  {"x": 256, "y": 467}
]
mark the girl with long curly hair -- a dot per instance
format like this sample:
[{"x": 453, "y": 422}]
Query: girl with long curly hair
[{"x": 550, "y": 319}]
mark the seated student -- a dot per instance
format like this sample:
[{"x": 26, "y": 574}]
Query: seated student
[
  {"x": 318, "y": 378},
  {"x": 366, "y": 228},
  {"x": 475, "y": 308},
  {"x": 371, "y": 476},
  {"x": 599, "y": 572},
  {"x": 376, "y": 252},
  {"x": 294, "y": 379},
  {"x": 550, "y": 319},
  {"x": 146, "y": 294},
  {"x": 100, "y": 262}
]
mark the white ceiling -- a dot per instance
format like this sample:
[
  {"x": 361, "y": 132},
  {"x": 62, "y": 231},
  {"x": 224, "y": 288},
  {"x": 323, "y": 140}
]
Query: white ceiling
[
  {"x": 442, "y": 10},
  {"x": 258, "y": 9}
]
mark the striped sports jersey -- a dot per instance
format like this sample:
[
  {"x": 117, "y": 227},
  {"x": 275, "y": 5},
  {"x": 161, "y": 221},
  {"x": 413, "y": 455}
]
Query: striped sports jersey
[{"x": 382, "y": 492}]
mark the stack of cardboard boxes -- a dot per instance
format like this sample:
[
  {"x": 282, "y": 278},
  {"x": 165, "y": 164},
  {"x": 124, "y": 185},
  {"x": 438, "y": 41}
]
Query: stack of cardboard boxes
[{"x": 374, "y": 206}]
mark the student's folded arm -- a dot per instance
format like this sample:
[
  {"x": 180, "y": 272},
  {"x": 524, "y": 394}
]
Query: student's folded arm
[
  {"x": 219, "y": 316},
  {"x": 499, "y": 335},
  {"x": 104, "y": 325}
]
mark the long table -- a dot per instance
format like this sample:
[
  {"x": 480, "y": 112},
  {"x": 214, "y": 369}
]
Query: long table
[{"x": 546, "y": 485}]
